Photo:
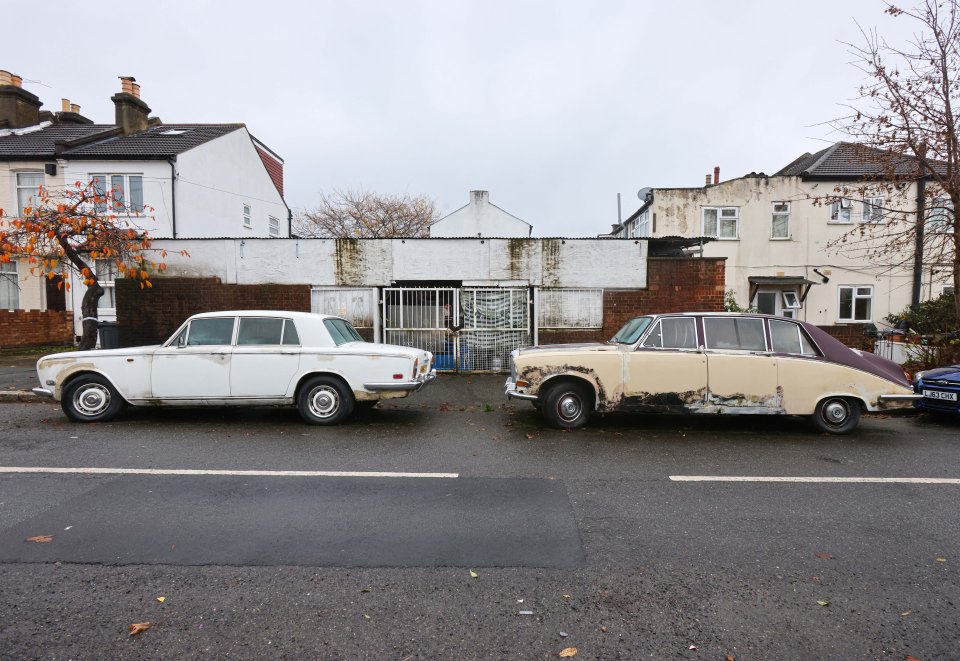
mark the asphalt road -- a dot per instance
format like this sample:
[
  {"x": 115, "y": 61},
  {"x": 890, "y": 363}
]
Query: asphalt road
[{"x": 589, "y": 531}]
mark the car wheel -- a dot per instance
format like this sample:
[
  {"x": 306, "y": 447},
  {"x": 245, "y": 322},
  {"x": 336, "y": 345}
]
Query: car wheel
[
  {"x": 568, "y": 405},
  {"x": 91, "y": 398},
  {"x": 836, "y": 415},
  {"x": 324, "y": 400}
]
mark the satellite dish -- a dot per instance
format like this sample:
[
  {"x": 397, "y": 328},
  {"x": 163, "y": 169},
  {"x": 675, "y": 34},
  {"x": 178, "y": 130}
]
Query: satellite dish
[{"x": 642, "y": 193}]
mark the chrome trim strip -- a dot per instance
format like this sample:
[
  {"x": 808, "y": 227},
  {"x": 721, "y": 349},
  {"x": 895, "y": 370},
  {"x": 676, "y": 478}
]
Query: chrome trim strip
[
  {"x": 43, "y": 392},
  {"x": 413, "y": 386},
  {"x": 900, "y": 398}
]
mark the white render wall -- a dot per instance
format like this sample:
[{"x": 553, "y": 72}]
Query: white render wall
[
  {"x": 678, "y": 213},
  {"x": 481, "y": 219},
  {"x": 382, "y": 262},
  {"x": 216, "y": 179}
]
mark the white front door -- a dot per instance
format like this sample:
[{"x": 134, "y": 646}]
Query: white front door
[{"x": 197, "y": 364}]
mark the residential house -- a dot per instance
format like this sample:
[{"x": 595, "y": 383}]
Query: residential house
[
  {"x": 783, "y": 238},
  {"x": 177, "y": 180},
  {"x": 480, "y": 218}
]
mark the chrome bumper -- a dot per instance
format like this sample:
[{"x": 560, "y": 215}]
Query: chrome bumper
[
  {"x": 510, "y": 390},
  {"x": 900, "y": 398},
  {"x": 43, "y": 392},
  {"x": 409, "y": 386}
]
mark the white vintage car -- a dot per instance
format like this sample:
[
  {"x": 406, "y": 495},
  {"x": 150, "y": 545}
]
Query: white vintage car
[
  {"x": 250, "y": 357},
  {"x": 709, "y": 363}
]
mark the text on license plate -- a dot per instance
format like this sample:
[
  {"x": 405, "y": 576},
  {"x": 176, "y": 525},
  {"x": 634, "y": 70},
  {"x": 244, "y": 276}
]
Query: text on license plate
[{"x": 939, "y": 394}]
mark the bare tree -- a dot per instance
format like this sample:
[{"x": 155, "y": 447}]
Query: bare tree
[
  {"x": 906, "y": 126},
  {"x": 367, "y": 215}
]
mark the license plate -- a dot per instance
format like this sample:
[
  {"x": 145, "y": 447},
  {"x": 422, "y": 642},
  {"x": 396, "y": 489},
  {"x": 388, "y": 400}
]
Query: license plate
[{"x": 939, "y": 394}]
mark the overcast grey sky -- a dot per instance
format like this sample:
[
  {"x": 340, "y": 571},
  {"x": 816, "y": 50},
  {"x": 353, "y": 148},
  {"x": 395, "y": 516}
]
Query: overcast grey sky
[{"x": 554, "y": 107}]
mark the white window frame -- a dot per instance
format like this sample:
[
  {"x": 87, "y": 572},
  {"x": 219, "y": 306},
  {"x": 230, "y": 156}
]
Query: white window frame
[
  {"x": 273, "y": 225},
  {"x": 873, "y": 211},
  {"x": 107, "y": 281},
  {"x": 642, "y": 225},
  {"x": 779, "y": 213},
  {"x": 937, "y": 216},
  {"x": 247, "y": 216},
  {"x": 31, "y": 201},
  {"x": 855, "y": 296},
  {"x": 790, "y": 301},
  {"x": 124, "y": 209},
  {"x": 841, "y": 212},
  {"x": 720, "y": 211},
  {"x": 9, "y": 273}
]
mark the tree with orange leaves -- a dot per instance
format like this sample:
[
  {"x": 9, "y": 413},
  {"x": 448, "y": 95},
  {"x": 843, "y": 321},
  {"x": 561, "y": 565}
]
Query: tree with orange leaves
[{"x": 69, "y": 230}]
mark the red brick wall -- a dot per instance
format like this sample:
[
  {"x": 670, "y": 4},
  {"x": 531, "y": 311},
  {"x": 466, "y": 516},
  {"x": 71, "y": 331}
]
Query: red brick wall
[
  {"x": 673, "y": 285},
  {"x": 150, "y": 316},
  {"x": 26, "y": 328},
  {"x": 851, "y": 335}
]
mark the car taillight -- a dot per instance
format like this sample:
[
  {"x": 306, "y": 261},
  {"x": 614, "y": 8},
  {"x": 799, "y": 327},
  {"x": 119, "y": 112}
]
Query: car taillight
[
  {"x": 908, "y": 377},
  {"x": 416, "y": 366}
]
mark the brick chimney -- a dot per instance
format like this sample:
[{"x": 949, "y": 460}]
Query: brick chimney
[
  {"x": 716, "y": 174},
  {"x": 18, "y": 107},
  {"x": 708, "y": 180},
  {"x": 132, "y": 114}
]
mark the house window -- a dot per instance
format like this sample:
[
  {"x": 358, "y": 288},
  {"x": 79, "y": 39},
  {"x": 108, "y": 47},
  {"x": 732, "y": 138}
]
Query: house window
[
  {"x": 28, "y": 189},
  {"x": 855, "y": 303},
  {"x": 940, "y": 216},
  {"x": 247, "y": 220},
  {"x": 791, "y": 303},
  {"x": 127, "y": 190},
  {"x": 106, "y": 276},
  {"x": 872, "y": 210},
  {"x": 642, "y": 225},
  {"x": 780, "y": 221},
  {"x": 840, "y": 211},
  {"x": 9, "y": 287},
  {"x": 274, "y": 226},
  {"x": 946, "y": 290},
  {"x": 721, "y": 222}
]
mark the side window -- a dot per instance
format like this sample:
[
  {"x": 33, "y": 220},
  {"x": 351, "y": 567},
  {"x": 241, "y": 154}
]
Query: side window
[
  {"x": 785, "y": 337},
  {"x": 259, "y": 330},
  {"x": 208, "y": 332},
  {"x": 673, "y": 333},
  {"x": 290, "y": 335},
  {"x": 740, "y": 334}
]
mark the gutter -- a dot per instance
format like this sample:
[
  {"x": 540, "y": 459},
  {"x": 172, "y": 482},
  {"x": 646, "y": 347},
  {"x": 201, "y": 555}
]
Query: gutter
[{"x": 173, "y": 195}]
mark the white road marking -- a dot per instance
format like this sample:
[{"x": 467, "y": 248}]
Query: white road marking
[
  {"x": 835, "y": 480},
  {"x": 189, "y": 471}
]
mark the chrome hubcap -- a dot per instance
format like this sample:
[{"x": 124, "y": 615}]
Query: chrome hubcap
[
  {"x": 91, "y": 399},
  {"x": 569, "y": 407},
  {"x": 835, "y": 412},
  {"x": 324, "y": 401}
]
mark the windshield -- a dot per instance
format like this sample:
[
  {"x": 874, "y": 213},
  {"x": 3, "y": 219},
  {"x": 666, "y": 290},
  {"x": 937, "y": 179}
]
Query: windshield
[
  {"x": 632, "y": 330},
  {"x": 341, "y": 331}
]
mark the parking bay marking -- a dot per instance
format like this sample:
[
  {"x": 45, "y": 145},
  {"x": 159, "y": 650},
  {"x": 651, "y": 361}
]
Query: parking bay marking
[
  {"x": 828, "y": 480},
  {"x": 189, "y": 471}
]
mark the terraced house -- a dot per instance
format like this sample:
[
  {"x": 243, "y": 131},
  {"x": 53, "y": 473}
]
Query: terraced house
[{"x": 188, "y": 180}]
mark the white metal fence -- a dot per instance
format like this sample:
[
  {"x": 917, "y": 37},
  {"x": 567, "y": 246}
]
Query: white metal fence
[{"x": 570, "y": 308}]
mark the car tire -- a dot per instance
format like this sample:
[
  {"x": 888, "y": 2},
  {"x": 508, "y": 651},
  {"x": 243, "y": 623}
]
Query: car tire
[
  {"x": 568, "y": 405},
  {"x": 91, "y": 398},
  {"x": 836, "y": 415},
  {"x": 324, "y": 400}
]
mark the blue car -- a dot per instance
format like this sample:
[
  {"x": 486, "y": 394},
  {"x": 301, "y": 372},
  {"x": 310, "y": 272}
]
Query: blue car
[{"x": 940, "y": 390}]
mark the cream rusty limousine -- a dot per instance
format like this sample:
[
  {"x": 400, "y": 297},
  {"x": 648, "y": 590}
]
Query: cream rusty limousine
[
  {"x": 317, "y": 362},
  {"x": 709, "y": 363}
]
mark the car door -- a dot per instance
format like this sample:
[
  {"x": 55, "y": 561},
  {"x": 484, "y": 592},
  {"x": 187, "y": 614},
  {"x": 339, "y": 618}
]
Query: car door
[
  {"x": 666, "y": 372},
  {"x": 265, "y": 359},
  {"x": 196, "y": 364},
  {"x": 742, "y": 374}
]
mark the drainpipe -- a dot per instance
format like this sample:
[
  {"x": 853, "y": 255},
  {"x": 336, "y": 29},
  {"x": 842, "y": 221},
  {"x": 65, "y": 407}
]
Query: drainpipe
[
  {"x": 173, "y": 195},
  {"x": 918, "y": 250}
]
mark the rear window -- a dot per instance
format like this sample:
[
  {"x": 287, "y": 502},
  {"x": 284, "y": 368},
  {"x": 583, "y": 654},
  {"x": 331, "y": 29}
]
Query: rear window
[
  {"x": 259, "y": 330},
  {"x": 341, "y": 331},
  {"x": 786, "y": 337},
  {"x": 734, "y": 333}
]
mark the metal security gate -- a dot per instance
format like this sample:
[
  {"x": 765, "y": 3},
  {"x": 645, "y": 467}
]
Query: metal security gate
[
  {"x": 472, "y": 329},
  {"x": 495, "y": 322}
]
